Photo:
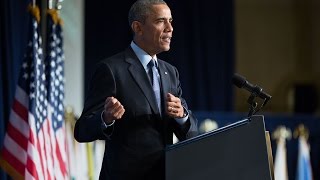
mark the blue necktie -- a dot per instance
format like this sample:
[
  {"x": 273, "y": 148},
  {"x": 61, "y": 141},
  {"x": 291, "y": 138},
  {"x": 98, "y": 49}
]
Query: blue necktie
[{"x": 155, "y": 81}]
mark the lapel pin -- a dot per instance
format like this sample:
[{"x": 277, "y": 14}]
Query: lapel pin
[{"x": 165, "y": 73}]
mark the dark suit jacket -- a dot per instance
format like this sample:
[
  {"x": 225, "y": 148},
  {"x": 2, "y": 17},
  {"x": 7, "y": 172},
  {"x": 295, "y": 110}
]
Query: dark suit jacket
[{"x": 135, "y": 150}]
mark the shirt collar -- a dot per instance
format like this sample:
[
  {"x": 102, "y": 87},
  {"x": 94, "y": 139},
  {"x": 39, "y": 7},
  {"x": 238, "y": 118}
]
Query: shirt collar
[{"x": 143, "y": 57}]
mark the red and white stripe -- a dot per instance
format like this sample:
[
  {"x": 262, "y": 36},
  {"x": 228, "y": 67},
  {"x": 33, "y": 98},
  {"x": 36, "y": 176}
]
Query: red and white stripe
[{"x": 33, "y": 156}]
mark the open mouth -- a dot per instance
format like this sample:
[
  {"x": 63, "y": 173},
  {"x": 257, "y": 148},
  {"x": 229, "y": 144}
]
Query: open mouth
[{"x": 166, "y": 39}]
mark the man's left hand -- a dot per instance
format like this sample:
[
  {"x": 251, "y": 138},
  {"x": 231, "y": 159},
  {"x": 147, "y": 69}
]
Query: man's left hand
[{"x": 173, "y": 106}]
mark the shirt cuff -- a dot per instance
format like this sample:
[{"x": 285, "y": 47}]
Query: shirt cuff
[
  {"x": 184, "y": 119},
  {"x": 105, "y": 124},
  {"x": 106, "y": 127}
]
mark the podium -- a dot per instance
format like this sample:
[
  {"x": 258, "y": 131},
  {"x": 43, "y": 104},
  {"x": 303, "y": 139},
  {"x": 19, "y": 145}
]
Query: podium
[{"x": 238, "y": 151}]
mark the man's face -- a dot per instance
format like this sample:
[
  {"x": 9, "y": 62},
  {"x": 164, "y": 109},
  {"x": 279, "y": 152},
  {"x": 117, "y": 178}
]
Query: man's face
[{"x": 156, "y": 32}]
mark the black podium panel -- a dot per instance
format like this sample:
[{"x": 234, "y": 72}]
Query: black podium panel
[{"x": 234, "y": 152}]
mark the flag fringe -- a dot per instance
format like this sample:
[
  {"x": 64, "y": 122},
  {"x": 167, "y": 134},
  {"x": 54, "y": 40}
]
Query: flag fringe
[
  {"x": 35, "y": 12},
  {"x": 10, "y": 170},
  {"x": 53, "y": 13}
]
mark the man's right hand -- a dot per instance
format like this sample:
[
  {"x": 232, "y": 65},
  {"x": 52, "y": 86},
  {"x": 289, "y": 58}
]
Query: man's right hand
[{"x": 113, "y": 110}]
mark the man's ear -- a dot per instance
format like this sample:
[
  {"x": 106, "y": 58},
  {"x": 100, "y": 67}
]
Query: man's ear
[{"x": 136, "y": 27}]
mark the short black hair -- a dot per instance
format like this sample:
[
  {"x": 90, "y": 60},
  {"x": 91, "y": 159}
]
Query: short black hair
[{"x": 140, "y": 9}]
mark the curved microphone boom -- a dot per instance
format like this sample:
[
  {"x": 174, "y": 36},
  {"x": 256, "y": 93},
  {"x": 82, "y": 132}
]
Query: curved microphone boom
[
  {"x": 241, "y": 82},
  {"x": 255, "y": 90}
]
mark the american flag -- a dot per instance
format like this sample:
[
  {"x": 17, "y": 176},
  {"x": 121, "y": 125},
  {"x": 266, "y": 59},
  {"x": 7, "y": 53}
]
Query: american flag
[
  {"x": 55, "y": 86},
  {"x": 34, "y": 145}
]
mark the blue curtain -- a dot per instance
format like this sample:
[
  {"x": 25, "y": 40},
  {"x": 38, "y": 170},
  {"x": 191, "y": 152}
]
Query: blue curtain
[
  {"x": 202, "y": 46},
  {"x": 13, "y": 35},
  {"x": 203, "y": 50}
]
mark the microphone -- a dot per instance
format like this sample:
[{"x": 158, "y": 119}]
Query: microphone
[{"x": 241, "y": 82}]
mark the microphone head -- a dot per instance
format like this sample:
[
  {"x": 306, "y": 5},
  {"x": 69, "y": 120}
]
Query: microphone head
[{"x": 238, "y": 80}]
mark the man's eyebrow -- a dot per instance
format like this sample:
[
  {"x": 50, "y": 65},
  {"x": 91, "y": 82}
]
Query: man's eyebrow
[{"x": 163, "y": 18}]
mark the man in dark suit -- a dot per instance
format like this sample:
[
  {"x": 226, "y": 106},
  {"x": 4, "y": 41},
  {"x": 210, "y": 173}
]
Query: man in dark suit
[{"x": 135, "y": 113}]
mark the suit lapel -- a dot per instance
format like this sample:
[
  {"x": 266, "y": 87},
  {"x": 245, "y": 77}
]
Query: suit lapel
[
  {"x": 165, "y": 80},
  {"x": 140, "y": 76}
]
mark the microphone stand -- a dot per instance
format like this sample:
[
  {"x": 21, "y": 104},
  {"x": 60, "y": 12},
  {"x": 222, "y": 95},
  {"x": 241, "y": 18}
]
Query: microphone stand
[{"x": 253, "y": 105}]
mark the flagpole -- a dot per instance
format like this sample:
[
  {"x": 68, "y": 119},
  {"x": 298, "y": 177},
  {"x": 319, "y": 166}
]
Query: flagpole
[{"x": 49, "y": 4}]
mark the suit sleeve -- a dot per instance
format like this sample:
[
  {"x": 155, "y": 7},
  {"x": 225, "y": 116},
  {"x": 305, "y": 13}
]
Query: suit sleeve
[
  {"x": 102, "y": 85},
  {"x": 189, "y": 129}
]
